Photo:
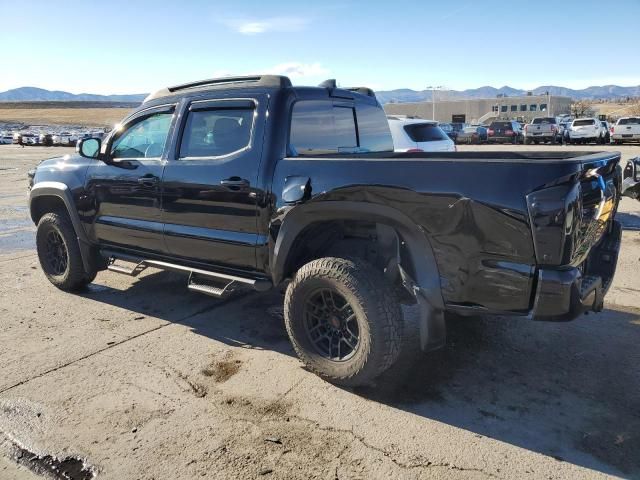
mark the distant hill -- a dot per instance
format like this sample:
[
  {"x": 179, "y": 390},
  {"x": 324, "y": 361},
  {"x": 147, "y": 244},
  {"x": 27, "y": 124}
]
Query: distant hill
[
  {"x": 33, "y": 94},
  {"x": 606, "y": 92}
]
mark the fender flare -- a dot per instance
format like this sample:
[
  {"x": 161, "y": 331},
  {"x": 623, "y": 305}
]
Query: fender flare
[
  {"x": 62, "y": 192},
  {"x": 426, "y": 284}
]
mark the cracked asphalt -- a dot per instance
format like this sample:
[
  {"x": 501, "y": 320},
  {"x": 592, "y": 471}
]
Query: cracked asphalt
[{"x": 141, "y": 379}]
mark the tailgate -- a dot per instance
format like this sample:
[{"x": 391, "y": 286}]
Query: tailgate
[{"x": 568, "y": 220}]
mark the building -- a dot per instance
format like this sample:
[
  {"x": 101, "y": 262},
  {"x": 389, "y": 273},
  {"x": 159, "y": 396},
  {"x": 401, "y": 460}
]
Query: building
[{"x": 522, "y": 108}]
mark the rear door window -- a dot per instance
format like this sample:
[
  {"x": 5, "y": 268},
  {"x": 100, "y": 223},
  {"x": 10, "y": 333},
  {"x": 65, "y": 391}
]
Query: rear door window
[
  {"x": 318, "y": 127},
  {"x": 425, "y": 132},
  {"x": 216, "y": 132}
]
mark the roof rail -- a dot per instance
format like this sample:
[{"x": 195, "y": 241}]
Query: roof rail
[
  {"x": 275, "y": 81},
  {"x": 260, "y": 80}
]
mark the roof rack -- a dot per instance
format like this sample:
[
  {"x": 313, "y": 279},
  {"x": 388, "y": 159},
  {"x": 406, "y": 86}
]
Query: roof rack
[{"x": 275, "y": 81}]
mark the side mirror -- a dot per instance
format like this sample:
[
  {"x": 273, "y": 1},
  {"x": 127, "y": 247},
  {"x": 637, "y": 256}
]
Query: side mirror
[
  {"x": 631, "y": 179},
  {"x": 89, "y": 147}
]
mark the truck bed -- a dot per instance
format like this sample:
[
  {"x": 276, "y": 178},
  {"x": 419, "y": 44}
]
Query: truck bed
[{"x": 474, "y": 209}]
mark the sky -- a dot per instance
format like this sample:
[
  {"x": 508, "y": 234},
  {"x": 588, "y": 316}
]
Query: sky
[{"x": 136, "y": 46}]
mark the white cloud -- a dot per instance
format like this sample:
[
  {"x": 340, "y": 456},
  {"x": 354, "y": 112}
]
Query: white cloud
[
  {"x": 247, "y": 26},
  {"x": 294, "y": 70},
  {"x": 298, "y": 70}
]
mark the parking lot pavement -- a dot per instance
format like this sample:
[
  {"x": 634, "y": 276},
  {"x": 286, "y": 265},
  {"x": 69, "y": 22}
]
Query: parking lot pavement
[{"x": 139, "y": 378}]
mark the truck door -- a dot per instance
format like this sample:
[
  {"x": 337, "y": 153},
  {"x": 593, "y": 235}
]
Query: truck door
[
  {"x": 210, "y": 183},
  {"x": 124, "y": 190}
]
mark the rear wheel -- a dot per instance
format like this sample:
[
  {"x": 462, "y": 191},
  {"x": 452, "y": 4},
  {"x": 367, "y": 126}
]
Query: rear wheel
[
  {"x": 344, "y": 320},
  {"x": 59, "y": 252}
]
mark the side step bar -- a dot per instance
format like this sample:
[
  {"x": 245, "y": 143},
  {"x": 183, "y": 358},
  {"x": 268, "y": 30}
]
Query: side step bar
[{"x": 215, "y": 284}]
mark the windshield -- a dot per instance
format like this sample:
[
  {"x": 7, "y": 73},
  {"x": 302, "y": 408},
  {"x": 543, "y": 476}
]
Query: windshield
[{"x": 425, "y": 132}]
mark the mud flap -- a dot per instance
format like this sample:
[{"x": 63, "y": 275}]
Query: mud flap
[{"x": 433, "y": 330}]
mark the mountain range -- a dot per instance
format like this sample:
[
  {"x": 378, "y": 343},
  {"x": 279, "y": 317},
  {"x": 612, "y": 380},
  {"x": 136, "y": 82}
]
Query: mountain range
[
  {"x": 606, "y": 92},
  {"x": 33, "y": 94}
]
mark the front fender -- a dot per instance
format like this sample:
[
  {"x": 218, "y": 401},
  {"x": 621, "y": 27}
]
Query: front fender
[{"x": 62, "y": 192}]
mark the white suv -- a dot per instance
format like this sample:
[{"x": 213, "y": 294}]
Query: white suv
[
  {"x": 418, "y": 135},
  {"x": 585, "y": 130}
]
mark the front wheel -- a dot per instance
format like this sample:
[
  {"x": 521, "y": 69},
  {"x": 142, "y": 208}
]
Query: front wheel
[
  {"x": 59, "y": 253},
  {"x": 344, "y": 320}
]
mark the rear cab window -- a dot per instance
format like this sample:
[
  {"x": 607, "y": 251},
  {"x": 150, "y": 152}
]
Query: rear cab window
[
  {"x": 543, "y": 120},
  {"x": 629, "y": 121},
  {"x": 320, "y": 127},
  {"x": 583, "y": 123}
]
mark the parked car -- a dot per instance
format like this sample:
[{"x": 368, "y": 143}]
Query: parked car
[
  {"x": 45, "y": 139},
  {"x": 564, "y": 131},
  {"x": 631, "y": 179},
  {"x": 417, "y": 135},
  {"x": 585, "y": 130},
  {"x": 504, "y": 131},
  {"x": 28, "y": 139},
  {"x": 6, "y": 139},
  {"x": 626, "y": 129},
  {"x": 605, "y": 132},
  {"x": 472, "y": 135},
  {"x": 62, "y": 138},
  {"x": 449, "y": 130},
  {"x": 456, "y": 128},
  {"x": 252, "y": 183},
  {"x": 542, "y": 129}
]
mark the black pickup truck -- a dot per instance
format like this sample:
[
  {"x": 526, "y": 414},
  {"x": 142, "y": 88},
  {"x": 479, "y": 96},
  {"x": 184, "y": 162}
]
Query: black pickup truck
[{"x": 253, "y": 183}]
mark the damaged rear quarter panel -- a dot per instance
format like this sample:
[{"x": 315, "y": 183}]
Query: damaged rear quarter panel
[{"x": 473, "y": 215}]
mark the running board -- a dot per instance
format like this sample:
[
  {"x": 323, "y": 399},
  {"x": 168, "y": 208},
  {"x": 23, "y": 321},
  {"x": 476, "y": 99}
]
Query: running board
[
  {"x": 216, "y": 284},
  {"x": 132, "y": 272},
  {"x": 209, "y": 287}
]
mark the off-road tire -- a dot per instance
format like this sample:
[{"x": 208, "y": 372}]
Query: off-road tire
[
  {"x": 375, "y": 305},
  {"x": 73, "y": 277}
]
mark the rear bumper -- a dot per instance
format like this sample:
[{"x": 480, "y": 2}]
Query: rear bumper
[
  {"x": 625, "y": 136},
  {"x": 562, "y": 295}
]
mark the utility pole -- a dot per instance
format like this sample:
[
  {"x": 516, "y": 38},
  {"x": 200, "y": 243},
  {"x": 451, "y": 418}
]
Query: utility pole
[{"x": 433, "y": 99}]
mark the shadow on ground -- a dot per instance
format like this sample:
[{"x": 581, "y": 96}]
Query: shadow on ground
[{"x": 566, "y": 390}]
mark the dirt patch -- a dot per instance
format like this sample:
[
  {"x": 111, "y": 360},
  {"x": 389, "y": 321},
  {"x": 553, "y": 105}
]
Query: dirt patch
[
  {"x": 255, "y": 407},
  {"x": 68, "y": 468},
  {"x": 223, "y": 370}
]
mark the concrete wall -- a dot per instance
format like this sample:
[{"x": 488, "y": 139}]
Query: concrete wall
[{"x": 475, "y": 109}]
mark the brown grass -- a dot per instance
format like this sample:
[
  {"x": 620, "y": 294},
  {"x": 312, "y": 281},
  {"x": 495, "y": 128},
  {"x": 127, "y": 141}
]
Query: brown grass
[{"x": 98, "y": 117}]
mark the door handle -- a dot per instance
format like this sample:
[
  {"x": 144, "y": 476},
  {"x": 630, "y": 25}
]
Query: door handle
[
  {"x": 235, "y": 182},
  {"x": 148, "y": 181}
]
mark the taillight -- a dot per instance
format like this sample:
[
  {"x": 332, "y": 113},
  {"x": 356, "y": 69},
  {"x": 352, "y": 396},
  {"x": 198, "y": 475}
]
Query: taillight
[
  {"x": 414, "y": 150},
  {"x": 526, "y": 127},
  {"x": 554, "y": 129},
  {"x": 490, "y": 132},
  {"x": 509, "y": 132},
  {"x": 611, "y": 129}
]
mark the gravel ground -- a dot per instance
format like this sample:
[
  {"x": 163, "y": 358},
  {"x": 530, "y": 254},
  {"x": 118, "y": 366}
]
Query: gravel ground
[{"x": 139, "y": 378}]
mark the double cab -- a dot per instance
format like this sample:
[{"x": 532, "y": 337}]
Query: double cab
[{"x": 249, "y": 183}]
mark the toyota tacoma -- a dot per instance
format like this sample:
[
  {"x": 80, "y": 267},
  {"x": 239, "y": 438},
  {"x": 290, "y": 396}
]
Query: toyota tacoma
[{"x": 252, "y": 183}]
